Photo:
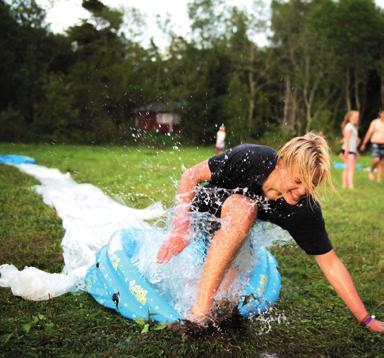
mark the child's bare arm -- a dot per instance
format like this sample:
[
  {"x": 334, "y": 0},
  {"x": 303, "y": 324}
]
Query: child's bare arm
[
  {"x": 340, "y": 279},
  {"x": 368, "y": 135},
  {"x": 177, "y": 239}
]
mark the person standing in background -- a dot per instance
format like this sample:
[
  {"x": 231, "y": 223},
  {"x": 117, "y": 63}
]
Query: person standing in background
[
  {"x": 349, "y": 148},
  {"x": 220, "y": 139},
  {"x": 375, "y": 134}
]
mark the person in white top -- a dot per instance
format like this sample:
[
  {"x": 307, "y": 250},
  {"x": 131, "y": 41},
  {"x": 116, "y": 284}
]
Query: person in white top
[
  {"x": 349, "y": 148},
  {"x": 376, "y": 135},
  {"x": 220, "y": 140}
]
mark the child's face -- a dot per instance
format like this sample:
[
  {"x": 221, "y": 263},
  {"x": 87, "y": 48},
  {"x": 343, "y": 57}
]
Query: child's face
[
  {"x": 288, "y": 185},
  {"x": 292, "y": 186},
  {"x": 354, "y": 118}
]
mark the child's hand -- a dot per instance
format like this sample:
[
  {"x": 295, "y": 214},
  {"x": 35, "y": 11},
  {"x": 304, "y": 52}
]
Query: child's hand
[
  {"x": 172, "y": 247},
  {"x": 343, "y": 156},
  {"x": 376, "y": 326}
]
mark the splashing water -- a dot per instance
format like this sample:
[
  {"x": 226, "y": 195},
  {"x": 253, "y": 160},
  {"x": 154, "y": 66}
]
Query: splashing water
[{"x": 179, "y": 278}]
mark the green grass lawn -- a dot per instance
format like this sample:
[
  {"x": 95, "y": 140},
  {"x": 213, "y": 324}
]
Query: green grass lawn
[{"x": 308, "y": 321}]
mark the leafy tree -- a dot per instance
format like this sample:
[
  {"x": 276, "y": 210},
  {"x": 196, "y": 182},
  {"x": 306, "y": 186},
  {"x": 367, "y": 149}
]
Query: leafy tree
[
  {"x": 28, "y": 14},
  {"x": 103, "y": 16},
  {"x": 287, "y": 25},
  {"x": 95, "y": 74},
  {"x": 209, "y": 19},
  {"x": 9, "y": 42},
  {"x": 237, "y": 111},
  {"x": 355, "y": 30},
  {"x": 252, "y": 64},
  {"x": 56, "y": 114},
  {"x": 29, "y": 53}
]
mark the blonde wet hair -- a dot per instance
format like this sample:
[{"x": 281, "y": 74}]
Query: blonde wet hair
[{"x": 309, "y": 155}]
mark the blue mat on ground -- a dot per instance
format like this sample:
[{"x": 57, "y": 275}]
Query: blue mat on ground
[
  {"x": 340, "y": 165},
  {"x": 115, "y": 282},
  {"x": 16, "y": 159}
]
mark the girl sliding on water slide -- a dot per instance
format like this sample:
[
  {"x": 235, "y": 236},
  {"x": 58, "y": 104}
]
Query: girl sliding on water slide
[{"x": 250, "y": 182}]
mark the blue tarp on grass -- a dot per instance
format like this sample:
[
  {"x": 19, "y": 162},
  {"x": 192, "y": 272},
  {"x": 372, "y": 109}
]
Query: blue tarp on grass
[
  {"x": 16, "y": 159},
  {"x": 340, "y": 165}
]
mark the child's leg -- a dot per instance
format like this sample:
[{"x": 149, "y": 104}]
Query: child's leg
[
  {"x": 380, "y": 169},
  {"x": 229, "y": 277},
  {"x": 345, "y": 176},
  {"x": 350, "y": 169},
  {"x": 375, "y": 162},
  {"x": 237, "y": 217}
]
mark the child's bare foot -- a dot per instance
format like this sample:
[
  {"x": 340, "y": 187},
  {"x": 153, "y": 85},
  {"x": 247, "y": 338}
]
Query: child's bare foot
[
  {"x": 371, "y": 175},
  {"x": 198, "y": 318}
]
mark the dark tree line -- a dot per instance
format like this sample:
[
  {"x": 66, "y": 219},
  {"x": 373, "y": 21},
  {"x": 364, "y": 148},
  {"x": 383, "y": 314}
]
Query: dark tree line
[{"x": 324, "y": 58}]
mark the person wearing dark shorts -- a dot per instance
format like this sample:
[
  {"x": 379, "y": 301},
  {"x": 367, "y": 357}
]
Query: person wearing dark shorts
[
  {"x": 251, "y": 182},
  {"x": 378, "y": 150},
  {"x": 375, "y": 134}
]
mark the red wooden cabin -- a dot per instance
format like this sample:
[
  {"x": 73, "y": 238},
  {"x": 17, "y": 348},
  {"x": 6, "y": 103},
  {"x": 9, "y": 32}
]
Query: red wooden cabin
[{"x": 156, "y": 117}]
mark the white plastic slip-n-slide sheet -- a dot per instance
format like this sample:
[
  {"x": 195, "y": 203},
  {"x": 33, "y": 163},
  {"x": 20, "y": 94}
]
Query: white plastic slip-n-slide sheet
[{"x": 89, "y": 218}]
